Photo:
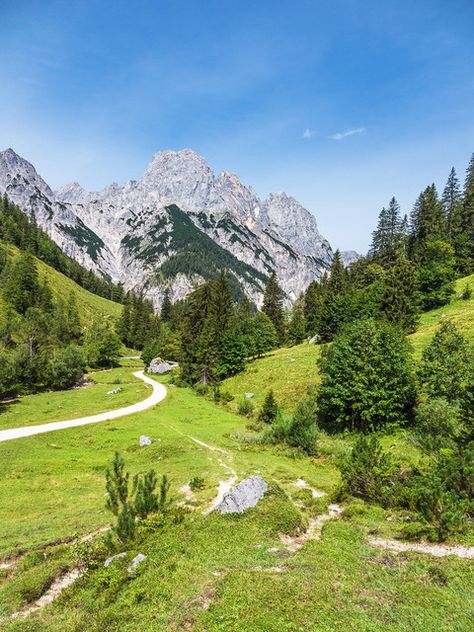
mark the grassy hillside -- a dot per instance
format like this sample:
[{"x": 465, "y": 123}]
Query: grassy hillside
[
  {"x": 89, "y": 305},
  {"x": 459, "y": 311},
  {"x": 209, "y": 572},
  {"x": 290, "y": 371}
]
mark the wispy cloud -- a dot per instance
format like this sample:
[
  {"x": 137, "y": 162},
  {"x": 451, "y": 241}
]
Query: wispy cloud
[
  {"x": 308, "y": 133},
  {"x": 350, "y": 132}
]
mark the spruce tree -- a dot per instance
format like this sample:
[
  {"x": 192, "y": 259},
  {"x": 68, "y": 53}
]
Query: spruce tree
[
  {"x": 166, "y": 313},
  {"x": 269, "y": 411},
  {"x": 446, "y": 368},
  {"x": 436, "y": 274},
  {"x": 400, "y": 301},
  {"x": 313, "y": 304},
  {"x": 219, "y": 320},
  {"x": 427, "y": 223},
  {"x": 387, "y": 237},
  {"x": 465, "y": 244},
  {"x": 22, "y": 288},
  {"x": 296, "y": 327},
  {"x": 195, "y": 312},
  {"x": 452, "y": 205},
  {"x": 273, "y": 306},
  {"x": 338, "y": 304},
  {"x": 262, "y": 335}
]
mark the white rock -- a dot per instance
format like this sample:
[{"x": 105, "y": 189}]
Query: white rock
[
  {"x": 243, "y": 496},
  {"x": 136, "y": 561},
  {"x": 159, "y": 366},
  {"x": 249, "y": 395},
  {"x": 109, "y": 560},
  {"x": 145, "y": 440}
]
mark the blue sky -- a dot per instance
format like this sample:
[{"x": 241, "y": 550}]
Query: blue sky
[{"x": 341, "y": 104}]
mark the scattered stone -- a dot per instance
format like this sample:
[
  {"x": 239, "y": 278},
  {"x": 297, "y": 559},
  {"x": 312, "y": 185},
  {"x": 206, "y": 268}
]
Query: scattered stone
[
  {"x": 109, "y": 560},
  {"x": 243, "y": 496},
  {"x": 114, "y": 391},
  {"x": 273, "y": 549},
  {"x": 313, "y": 340},
  {"x": 136, "y": 561},
  {"x": 249, "y": 395},
  {"x": 158, "y": 366},
  {"x": 145, "y": 440},
  {"x": 442, "y": 315},
  {"x": 292, "y": 360}
]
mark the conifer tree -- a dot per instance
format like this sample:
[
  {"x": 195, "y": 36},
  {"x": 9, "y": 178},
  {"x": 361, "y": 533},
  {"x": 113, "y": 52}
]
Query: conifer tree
[
  {"x": 446, "y": 368},
  {"x": 195, "y": 312},
  {"x": 313, "y": 304},
  {"x": 273, "y": 306},
  {"x": 22, "y": 288},
  {"x": 466, "y": 238},
  {"x": 387, "y": 237},
  {"x": 296, "y": 328},
  {"x": 452, "y": 204},
  {"x": 436, "y": 274},
  {"x": 427, "y": 223},
  {"x": 339, "y": 301},
  {"x": 219, "y": 320},
  {"x": 166, "y": 313},
  {"x": 262, "y": 335},
  {"x": 269, "y": 411},
  {"x": 400, "y": 302}
]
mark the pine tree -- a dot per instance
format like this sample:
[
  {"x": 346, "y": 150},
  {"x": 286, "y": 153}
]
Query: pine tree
[
  {"x": 446, "y": 367},
  {"x": 400, "y": 301},
  {"x": 436, "y": 274},
  {"x": 22, "y": 288},
  {"x": 427, "y": 223},
  {"x": 387, "y": 238},
  {"x": 269, "y": 411},
  {"x": 166, "y": 313},
  {"x": 296, "y": 328},
  {"x": 195, "y": 312},
  {"x": 452, "y": 204},
  {"x": 465, "y": 244},
  {"x": 219, "y": 320},
  {"x": 273, "y": 306},
  {"x": 233, "y": 355},
  {"x": 262, "y": 335},
  {"x": 313, "y": 304},
  {"x": 338, "y": 304}
]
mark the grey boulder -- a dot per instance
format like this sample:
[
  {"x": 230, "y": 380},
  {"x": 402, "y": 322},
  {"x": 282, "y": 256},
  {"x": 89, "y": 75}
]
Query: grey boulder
[
  {"x": 159, "y": 366},
  {"x": 136, "y": 561},
  {"x": 109, "y": 560},
  {"x": 145, "y": 440},
  {"x": 243, "y": 496}
]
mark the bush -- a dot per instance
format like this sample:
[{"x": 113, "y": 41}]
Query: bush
[
  {"x": 442, "y": 508},
  {"x": 102, "y": 345},
  {"x": 367, "y": 472},
  {"x": 302, "y": 430},
  {"x": 245, "y": 408},
  {"x": 467, "y": 292},
  {"x": 66, "y": 368},
  {"x": 437, "y": 425},
  {"x": 138, "y": 502},
  {"x": 269, "y": 411},
  {"x": 196, "y": 483},
  {"x": 367, "y": 378},
  {"x": 446, "y": 367},
  {"x": 201, "y": 389}
]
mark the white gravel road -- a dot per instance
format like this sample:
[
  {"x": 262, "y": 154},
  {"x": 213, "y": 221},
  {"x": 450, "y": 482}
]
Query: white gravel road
[{"x": 158, "y": 394}]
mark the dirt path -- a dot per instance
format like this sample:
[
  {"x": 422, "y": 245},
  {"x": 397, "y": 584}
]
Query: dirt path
[
  {"x": 224, "y": 486},
  {"x": 437, "y": 550},
  {"x": 53, "y": 593},
  {"x": 313, "y": 532},
  {"x": 158, "y": 394}
]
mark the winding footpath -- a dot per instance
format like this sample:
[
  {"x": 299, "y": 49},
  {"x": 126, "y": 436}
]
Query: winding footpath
[{"x": 158, "y": 394}]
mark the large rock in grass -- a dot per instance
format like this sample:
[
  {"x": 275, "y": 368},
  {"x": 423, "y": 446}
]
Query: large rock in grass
[
  {"x": 243, "y": 496},
  {"x": 159, "y": 366}
]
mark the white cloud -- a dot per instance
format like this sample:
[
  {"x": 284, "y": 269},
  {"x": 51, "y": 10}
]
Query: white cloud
[
  {"x": 308, "y": 133},
  {"x": 350, "y": 132}
]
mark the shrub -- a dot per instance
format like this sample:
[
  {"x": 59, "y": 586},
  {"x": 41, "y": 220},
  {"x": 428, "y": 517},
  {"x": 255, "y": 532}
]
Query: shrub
[
  {"x": 437, "y": 424},
  {"x": 442, "y": 508},
  {"x": 245, "y": 408},
  {"x": 196, "y": 483},
  {"x": 269, "y": 411},
  {"x": 66, "y": 368},
  {"x": 446, "y": 366},
  {"x": 138, "y": 502},
  {"x": 367, "y": 472},
  {"x": 367, "y": 378},
  {"x": 302, "y": 430},
  {"x": 467, "y": 292},
  {"x": 201, "y": 389}
]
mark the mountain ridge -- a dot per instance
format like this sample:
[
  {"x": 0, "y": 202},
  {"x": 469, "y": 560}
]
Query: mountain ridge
[{"x": 127, "y": 231}]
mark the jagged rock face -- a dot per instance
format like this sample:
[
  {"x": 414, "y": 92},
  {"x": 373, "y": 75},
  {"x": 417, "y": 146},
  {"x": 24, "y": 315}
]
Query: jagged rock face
[
  {"x": 349, "y": 256},
  {"x": 175, "y": 227}
]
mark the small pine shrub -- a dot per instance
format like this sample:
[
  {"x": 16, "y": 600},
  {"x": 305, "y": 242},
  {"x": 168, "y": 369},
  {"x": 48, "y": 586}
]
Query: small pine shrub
[
  {"x": 245, "y": 408},
  {"x": 269, "y": 411},
  {"x": 196, "y": 483},
  {"x": 467, "y": 292}
]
